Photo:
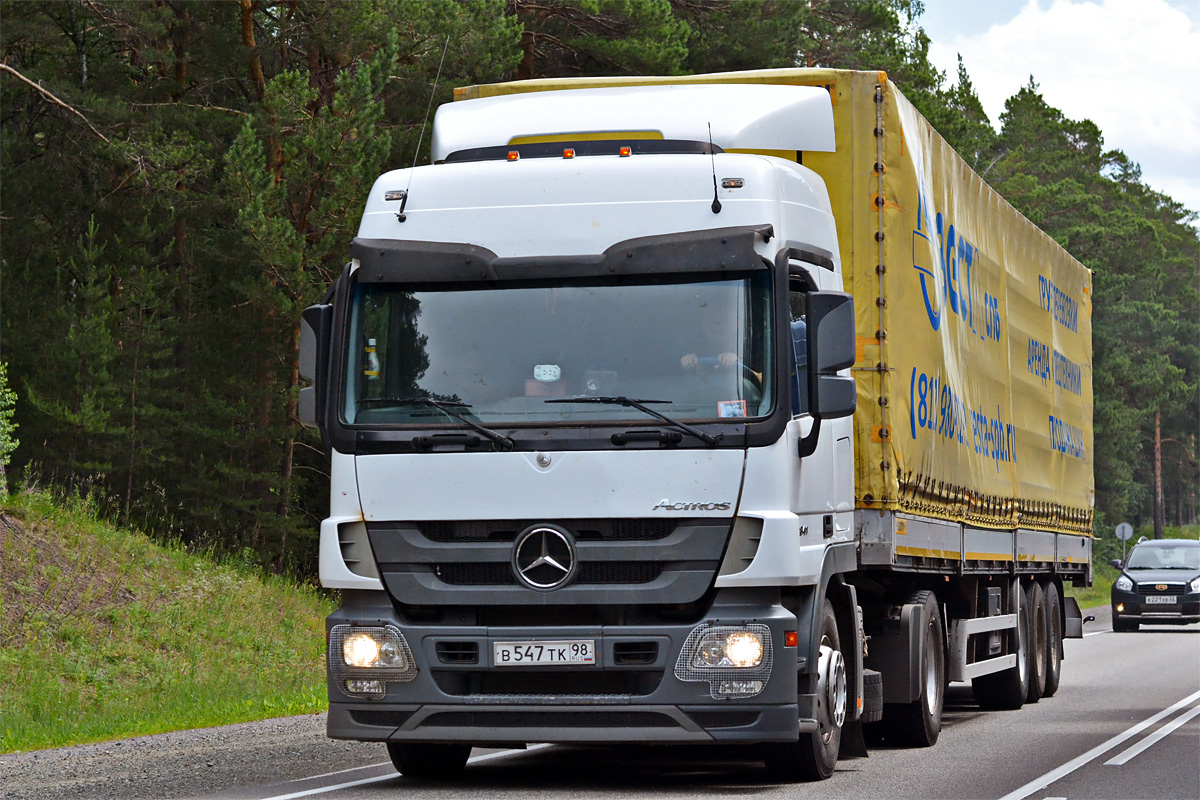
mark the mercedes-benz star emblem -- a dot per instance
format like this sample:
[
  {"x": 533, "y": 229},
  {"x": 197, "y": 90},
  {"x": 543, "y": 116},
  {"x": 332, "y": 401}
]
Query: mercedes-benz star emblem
[{"x": 543, "y": 557}]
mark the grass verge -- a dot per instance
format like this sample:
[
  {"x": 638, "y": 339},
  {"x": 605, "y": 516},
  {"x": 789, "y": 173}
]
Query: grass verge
[{"x": 104, "y": 634}]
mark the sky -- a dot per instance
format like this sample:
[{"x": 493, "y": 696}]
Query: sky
[{"x": 1127, "y": 65}]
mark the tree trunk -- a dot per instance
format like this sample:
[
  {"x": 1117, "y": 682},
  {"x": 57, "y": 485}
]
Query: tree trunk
[
  {"x": 256, "y": 70},
  {"x": 1158, "y": 490}
]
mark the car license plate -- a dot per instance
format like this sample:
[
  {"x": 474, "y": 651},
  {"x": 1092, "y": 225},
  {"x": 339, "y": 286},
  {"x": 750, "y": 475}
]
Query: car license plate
[
  {"x": 1161, "y": 599},
  {"x": 566, "y": 651}
]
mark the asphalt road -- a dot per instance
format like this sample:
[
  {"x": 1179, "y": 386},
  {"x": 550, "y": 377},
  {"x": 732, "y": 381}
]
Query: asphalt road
[{"x": 1124, "y": 724}]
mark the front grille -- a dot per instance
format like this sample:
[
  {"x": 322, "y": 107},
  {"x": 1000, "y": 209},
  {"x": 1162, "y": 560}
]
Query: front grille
[
  {"x": 506, "y": 530},
  {"x": 620, "y": 562},
  {"x": 1151, "y": 588},
  {"x": 550, "y": 719},
  {"x": 596, "y": 573},
  {"x": 380, "y": 717}
]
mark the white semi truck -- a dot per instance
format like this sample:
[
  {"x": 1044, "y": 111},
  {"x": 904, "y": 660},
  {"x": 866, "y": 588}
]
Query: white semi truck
[{"x": 721, "y": 409}]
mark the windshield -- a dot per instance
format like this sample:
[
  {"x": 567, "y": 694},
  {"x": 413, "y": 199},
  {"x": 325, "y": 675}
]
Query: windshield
[
  {"x": 1165, "y": 557},
  {"x": 700, "y": 349}
]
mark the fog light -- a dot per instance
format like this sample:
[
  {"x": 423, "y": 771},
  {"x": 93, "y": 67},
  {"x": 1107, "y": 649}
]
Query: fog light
[
  {"x": 1120, "y": 607},
  {"x": 364, "y": 687},
  {"x": 360, "y": 650},
  {"x": 738, "y": 688},
  {"x": 744, "y": 649}
]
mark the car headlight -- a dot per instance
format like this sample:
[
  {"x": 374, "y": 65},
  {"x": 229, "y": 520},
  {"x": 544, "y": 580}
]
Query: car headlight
[
  {"x": 1194, "y": 586},
  {"x": 1123, "y": 584}
]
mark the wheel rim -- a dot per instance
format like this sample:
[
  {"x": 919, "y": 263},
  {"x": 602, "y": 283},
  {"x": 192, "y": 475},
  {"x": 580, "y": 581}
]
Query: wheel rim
[
  {"x": 831, "y": 688},
  {"x": 933, "y": 678}
]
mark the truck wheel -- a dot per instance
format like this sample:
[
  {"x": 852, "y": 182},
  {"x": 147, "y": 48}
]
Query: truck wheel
[
  {"x": 1008, "y": 689},
  {"x": 917, "y": 724},
  {"x": 1053, "y": 638},
  {"x": 814, "y": 755},
  {"x": 426, "y": 760},
  {"x": 1038, "y": 644}
]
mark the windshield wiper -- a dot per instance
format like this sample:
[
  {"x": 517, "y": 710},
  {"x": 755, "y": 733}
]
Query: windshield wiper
[
  {"x": 641, "y": 405},
  {"x": 447, "y": 407}
]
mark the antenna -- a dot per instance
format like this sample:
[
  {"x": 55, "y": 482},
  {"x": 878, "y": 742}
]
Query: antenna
[
  {"x": 420, "y": 139},
  {"x": 716, "y": 203}
]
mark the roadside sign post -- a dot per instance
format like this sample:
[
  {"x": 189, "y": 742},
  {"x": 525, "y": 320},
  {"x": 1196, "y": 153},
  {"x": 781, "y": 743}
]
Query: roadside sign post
[{"x": 1124, "y": 532}]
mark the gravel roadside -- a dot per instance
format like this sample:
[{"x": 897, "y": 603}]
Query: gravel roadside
[{"x": 184, "y": 763}]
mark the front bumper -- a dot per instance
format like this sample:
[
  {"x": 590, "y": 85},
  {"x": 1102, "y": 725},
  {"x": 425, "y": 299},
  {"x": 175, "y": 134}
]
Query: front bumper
[
  {"x": 631, "y": 693},
  {"x": 1135, "y": 607}
]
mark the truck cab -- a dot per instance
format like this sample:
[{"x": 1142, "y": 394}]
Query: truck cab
[{"x": 586, "y": 393}]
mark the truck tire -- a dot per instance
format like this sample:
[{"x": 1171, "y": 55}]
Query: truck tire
[
  {"x": 872, "y": 710},
  {"x": 428, "y": 760},
  {"x": 814, "y": 755},
  {"x": 917, "y": 724},
  {"x": 1008, "y": 689},
  {"x": 1038, "y": 642},
  {"x": 1054, "y": 640}
]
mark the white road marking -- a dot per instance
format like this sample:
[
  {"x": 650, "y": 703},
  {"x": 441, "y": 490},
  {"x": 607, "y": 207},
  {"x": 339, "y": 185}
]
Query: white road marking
[
  {"x": 349, "y": 784},
  {"x": 1154, "y": 738},
  {"x": 341, "y": 772},
  {"x": 1066, "y": 769},
  {"x": 1095, "y": 633}
]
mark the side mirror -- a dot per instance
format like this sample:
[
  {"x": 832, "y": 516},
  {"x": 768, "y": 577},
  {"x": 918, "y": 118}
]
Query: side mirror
[
  {"x": 831, "y": 347},
  {"x": 1115, "y": 563},
  {"x": 315, "y": 325}
]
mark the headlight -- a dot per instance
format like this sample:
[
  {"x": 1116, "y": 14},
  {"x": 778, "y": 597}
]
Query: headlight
[
  {"x": 1194, "y": 586},
  {"x": 735, "y": 660},
  {"x": 360, "y": 650},
  {"x": 363, "y": 658},
  {"x": 1123, "y": 584},
  {"x": 744, "y": 649},
  {"x": 741, "y": 649}
]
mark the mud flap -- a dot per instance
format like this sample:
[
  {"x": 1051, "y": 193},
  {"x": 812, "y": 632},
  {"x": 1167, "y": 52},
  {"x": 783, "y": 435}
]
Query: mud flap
[{"x": 853, "y": 743}]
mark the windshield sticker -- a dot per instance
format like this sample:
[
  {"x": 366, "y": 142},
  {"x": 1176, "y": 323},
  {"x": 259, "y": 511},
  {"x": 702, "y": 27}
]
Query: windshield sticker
[{"x": 731, "y": 408}]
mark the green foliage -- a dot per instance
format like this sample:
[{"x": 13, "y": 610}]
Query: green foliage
[
  {"x": 8, "y": 426},
  {"x": 105, "y": 635},
  {"x": 161, "y": 237}
]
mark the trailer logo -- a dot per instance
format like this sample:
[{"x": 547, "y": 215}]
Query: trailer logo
[
  {"x": 666, "y": 505},
  {"x": 544, "y": 557}
]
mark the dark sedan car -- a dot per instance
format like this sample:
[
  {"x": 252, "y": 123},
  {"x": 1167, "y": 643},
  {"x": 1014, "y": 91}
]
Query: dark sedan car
[{"x": 1159, "y": 585}]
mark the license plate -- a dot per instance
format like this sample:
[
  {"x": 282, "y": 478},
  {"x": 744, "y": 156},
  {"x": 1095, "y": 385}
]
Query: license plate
[
  {"x": 1161, "y": 599},
  {"x": 566, "y": 651}
]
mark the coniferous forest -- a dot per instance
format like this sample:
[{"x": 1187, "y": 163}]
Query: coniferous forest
[{"x": 180, "y": 179}]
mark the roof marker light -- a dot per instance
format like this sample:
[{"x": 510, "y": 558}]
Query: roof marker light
[
  {"x": 568, "y": 153},
  {"x": 513, "y": 155},
  {"x": 624, "y": 151}
]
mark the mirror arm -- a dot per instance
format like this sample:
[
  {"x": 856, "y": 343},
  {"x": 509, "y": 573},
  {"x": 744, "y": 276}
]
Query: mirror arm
[{"x": 807, "y": 445}]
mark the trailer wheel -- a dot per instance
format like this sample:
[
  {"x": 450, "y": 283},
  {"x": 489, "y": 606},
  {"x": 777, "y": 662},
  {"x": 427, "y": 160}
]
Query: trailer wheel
[
  {"x": 1038, "y": 643},
  {"x": 814, "y": 755},
  {"x": 1053, "y": 638},
  {"x": 428, "y": 760},
  {"x": 917, "y": 724},
  {"x": 1008, "y": 689}
]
